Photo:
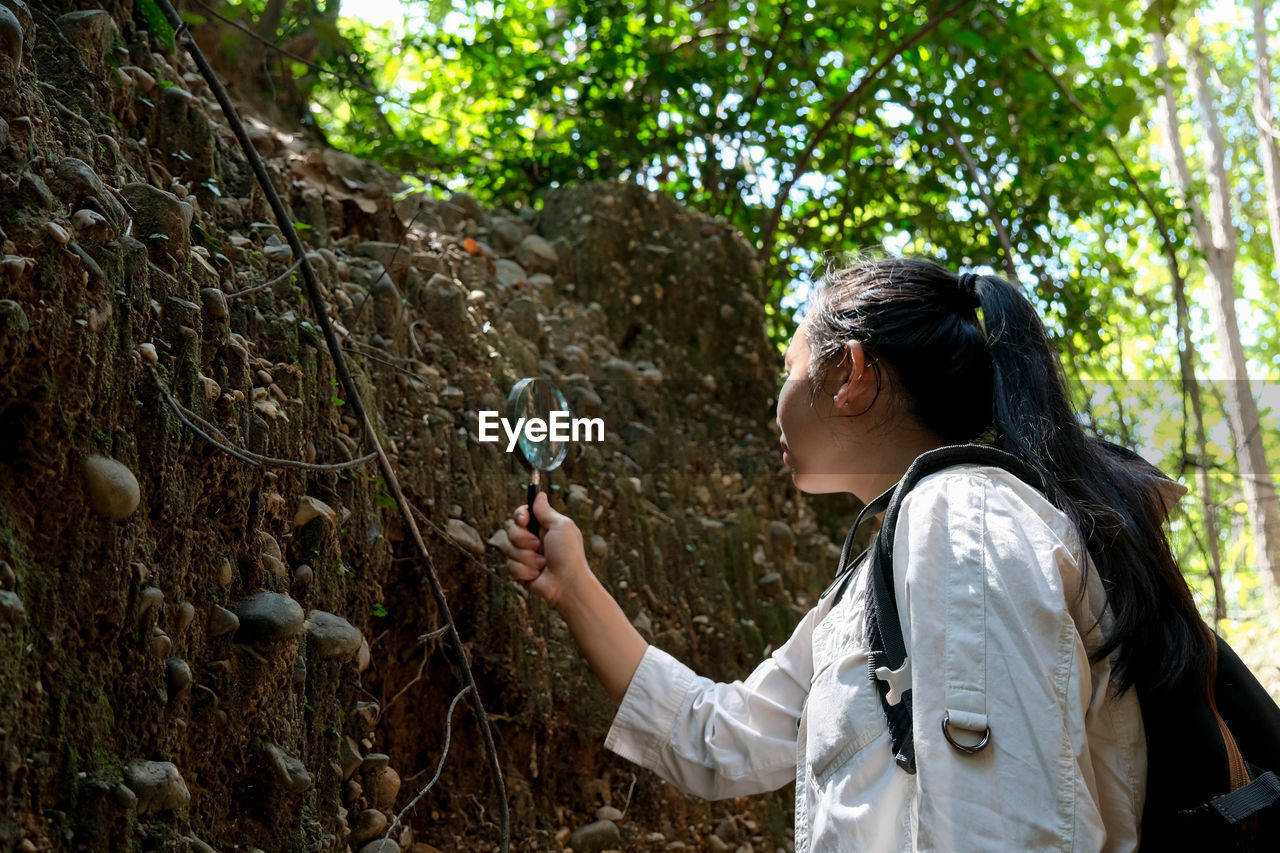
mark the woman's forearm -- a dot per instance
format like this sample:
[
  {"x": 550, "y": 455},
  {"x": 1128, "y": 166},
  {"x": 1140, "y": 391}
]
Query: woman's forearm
[{"x": 612, "y": 646}]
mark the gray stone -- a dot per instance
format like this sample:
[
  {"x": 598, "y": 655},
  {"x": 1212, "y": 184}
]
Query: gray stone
[
  {"x": 195, "y": 845},
  {"x": 332, "y": 637},
  {"x": 368, "y": 825},
  {"x": 382, "y": 845},
  {"x": 596, "y": 837},
  {"x": 93, "y": 32},
  {"x": 8, "y": 580},
  {"x": 382, "y": 786},
  {"x": 445, "y": 302},
  {"x": 11, "y": 609},
  {"x": 770, "y": 584},
  {"x": 509, "y": 272},
  {"x": 158, "y": 786},
  {"x": 608, "y": 813},
  {"x": 781, "y": 536},
  {"x": 222, "y": 621},
  {"x": 288, "y": 771},
  {"x": 349, "y": 753},
  {"x": 215, "y": 303},
  {"x": 310, "y": 508},
  {"x": 523, "y": 315},
  {"x": 536, "y": 255},
  {"x": 113, "y": 490},
  {"x": 177, "y": 675},
  {"x": 507, "y": 234},
  {"x": 268, "y": 617},
  {"x": 10, "y": 37},
  {"x": 160, "y": 216},
  {"x": 465, "y": 535},
  {"x": 77, "y": 181},
  {"x": 388, "y": 308}
]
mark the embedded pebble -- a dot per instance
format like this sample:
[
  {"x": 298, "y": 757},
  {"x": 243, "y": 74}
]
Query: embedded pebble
[
  {"x": 11, "y": 609},
  {"x": 289, "y": 772},
  {"x": 149, "y": 598},
  {"x": 8, "y": 580},
  {"x": 10, "y": 36},
  {"x": 596, "y": 837},
  {"x": 160, "y": 644},
  {"x": 608, "y": 813},
  {"x": 332, "y": 637},
  {"x": 465, "y": 535},
  {"x": 368, "y": 825},
  {"x": 382, "y": 786},
  {"x": 382, "y": 845},
  {"x": 770, "y": 584},
  {"x": 303, "y": 575},
  {"x": 310, "y": 508},
  {"x": 186, "y": 613},
  {"x": 267, "y": 617},
  {"x": 599, "y": 547},
  {"x": 537, "y": 255},
  {"x": 177, "y": 676},
  {"x": 222, "y": 621},
  {"x": 113, "y": 490},
  {"x": 225, "y": 573},
  {"x": 158, "y": 786},
  {"x": 274, "y": 566},
  {"x": 349, "y": 753},
  {"x": 148, "y": 353},
  {"x": 215, "y": 303}
]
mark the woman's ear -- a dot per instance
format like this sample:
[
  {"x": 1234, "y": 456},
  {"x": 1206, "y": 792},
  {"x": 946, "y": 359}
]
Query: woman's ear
[{"x": 849, "y": 373}]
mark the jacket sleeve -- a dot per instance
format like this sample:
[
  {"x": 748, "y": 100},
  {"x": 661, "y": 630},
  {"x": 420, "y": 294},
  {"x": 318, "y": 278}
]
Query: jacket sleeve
[
  {"x": 717, "y": 740},
  {"x": 980, "y": 577}
]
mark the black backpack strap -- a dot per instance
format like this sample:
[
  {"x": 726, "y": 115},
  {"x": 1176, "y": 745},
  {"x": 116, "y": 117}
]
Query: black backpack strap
[
  {"x": 1247, "y": 801},
  {"x": 845, "y": 570},
  {"x": 887, "y": 663}
]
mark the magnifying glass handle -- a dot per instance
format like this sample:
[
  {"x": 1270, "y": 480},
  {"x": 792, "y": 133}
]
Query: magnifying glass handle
[{"x": 533, "y": 522}]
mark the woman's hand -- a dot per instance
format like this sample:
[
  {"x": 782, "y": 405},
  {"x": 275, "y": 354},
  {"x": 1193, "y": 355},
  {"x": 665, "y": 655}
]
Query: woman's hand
[{"x": 547, "y": 565}]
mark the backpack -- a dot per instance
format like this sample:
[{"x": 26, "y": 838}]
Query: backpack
[{"x": 1212, "y": 761}]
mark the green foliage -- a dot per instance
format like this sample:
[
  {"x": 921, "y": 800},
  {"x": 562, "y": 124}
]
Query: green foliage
[
  {"x": 157, "y": 23},
  {"x": 1029, "y": 119}
]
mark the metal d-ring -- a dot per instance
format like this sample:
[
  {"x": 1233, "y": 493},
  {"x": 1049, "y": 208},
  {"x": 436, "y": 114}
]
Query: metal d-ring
[{"x": 978, "y": 747}]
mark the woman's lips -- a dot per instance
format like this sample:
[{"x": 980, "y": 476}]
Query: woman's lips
[{"x": 786, "y": 457}]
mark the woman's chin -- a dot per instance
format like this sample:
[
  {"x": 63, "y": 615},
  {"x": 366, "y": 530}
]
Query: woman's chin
[{"x": 819, "y": 484}]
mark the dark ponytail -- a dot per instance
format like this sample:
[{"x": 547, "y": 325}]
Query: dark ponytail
[{"x": 996, "y": 377}]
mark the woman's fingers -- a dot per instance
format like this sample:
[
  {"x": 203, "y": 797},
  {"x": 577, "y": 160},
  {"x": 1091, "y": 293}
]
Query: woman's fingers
[
  {"x": 521, "y": 537},
  {"x": 522, "y": 571}
]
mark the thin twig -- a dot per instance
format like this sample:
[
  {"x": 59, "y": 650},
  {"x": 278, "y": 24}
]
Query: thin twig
[
  {"x": 195, "y": 423},
  {"x": 316, "y": 297},
  {"x": 448, "y": 735},
  {"x": 382, "y": 709},
  {"x": 266, "y": 285}
]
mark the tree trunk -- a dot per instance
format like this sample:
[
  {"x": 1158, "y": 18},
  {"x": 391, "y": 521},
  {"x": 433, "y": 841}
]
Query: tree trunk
[
  {"x": 1267, "y": 149},
  {"x": 1215, "y": 237}
]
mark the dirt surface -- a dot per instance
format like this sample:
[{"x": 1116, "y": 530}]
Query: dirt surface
[{"x": 201, "y": 653}]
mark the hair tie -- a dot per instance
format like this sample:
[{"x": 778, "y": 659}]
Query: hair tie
[{"x": 967, "y": 284}]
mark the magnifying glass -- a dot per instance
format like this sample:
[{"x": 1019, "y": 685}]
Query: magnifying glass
[{"x": 531, "y": 398}]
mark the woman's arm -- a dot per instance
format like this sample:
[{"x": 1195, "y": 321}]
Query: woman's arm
[
  {"x": 713, "y": 740},
  {"x": 612, "y": 646}
]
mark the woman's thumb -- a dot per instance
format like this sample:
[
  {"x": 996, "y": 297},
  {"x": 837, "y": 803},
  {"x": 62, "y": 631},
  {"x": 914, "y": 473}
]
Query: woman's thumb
[{"x": 543, "y": 511}]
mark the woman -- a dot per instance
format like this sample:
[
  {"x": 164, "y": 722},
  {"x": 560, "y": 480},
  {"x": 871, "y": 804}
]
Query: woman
[{"x": 1034, "y": 616}]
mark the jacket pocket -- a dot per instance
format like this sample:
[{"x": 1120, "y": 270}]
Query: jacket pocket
[{"x": 845, "y": 719}]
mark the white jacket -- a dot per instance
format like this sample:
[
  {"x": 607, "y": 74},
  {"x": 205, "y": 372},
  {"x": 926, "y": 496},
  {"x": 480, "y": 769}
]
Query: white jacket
[{"x": 987, "y": 574}]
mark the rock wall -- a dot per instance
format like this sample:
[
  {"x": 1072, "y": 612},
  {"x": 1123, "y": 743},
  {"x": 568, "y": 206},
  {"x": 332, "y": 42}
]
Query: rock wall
[{"x": 198, "y": 652}]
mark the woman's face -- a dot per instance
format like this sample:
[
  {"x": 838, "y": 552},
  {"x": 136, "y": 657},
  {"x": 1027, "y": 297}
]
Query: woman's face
[{"x": 814, "y": 437}]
